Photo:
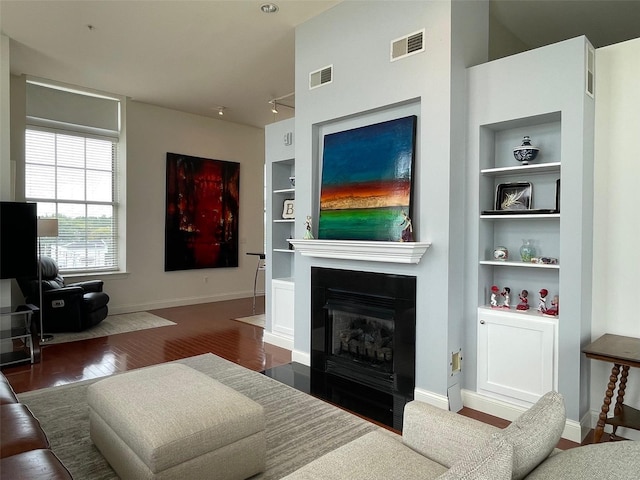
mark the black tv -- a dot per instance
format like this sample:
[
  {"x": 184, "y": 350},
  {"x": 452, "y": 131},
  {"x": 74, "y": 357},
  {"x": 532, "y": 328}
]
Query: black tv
[{"x": 18, "y": 240}]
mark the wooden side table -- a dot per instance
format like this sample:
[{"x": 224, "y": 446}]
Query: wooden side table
[{"x": 623, "y": 352}]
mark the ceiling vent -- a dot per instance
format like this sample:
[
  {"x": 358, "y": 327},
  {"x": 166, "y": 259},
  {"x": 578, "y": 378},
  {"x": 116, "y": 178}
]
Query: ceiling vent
[
  {"x": 409, "y": 45},
  {"x": 321, "y": 77}
]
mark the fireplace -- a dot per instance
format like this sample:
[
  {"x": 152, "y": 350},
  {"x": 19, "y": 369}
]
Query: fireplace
[{"x": 363, "y": 341}]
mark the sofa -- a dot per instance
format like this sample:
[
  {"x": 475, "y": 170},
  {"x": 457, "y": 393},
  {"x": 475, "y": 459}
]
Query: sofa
[
  {"x": 24, "y": 447},
  {"x": 437, "y": 444}
]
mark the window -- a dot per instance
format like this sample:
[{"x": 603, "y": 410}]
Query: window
[
  {"x": 71, "y": 176},
  {"x": 72, "y": 171}
]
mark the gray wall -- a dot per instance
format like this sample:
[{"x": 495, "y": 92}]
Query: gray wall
[{"x": 355, "y": 38}]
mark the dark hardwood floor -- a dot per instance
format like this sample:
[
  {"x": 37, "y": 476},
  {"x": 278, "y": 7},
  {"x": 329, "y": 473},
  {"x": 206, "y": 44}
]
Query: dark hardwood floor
[{"x": 202, "y": 328}]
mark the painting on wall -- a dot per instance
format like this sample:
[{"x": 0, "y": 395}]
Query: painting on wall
[
  {"x": 367, "y": 182},
  {"x": 201, "y": 226}
]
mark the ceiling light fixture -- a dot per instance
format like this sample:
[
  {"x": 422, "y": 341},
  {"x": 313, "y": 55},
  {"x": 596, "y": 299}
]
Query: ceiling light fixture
[
  {"x": 276, "y": 102},
  {"x": 269, "y": 8},
  {"x": 221, "y": 111}
]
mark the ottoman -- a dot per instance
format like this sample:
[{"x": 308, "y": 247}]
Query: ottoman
[{"x": 173, "y": 422}]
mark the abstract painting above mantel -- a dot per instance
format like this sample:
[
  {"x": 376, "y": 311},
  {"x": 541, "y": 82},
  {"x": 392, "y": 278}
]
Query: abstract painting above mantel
[
  {"x": 201, "y": 227},
  {"x": 367, "y": 181}
]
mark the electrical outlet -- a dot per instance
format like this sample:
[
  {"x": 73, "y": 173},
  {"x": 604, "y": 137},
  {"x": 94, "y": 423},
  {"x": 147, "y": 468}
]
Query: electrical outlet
[{"x": 456, "y": 362}]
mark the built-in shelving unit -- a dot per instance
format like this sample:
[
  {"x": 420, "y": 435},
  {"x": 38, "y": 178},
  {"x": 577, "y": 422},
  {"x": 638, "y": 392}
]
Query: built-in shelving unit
[
  {"x": 280, "y": 255},
  {"x": 521, "y": 355}
]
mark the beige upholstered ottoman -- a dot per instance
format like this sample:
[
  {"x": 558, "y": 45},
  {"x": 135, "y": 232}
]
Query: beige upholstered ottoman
[{"x": 173, "y": 422}]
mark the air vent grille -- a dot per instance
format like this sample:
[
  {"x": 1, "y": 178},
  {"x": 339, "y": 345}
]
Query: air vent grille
[
  {"x": 408, "y": 45},
  {"x": 591, "y": 71},
  {"x": 321, "y": 77}
]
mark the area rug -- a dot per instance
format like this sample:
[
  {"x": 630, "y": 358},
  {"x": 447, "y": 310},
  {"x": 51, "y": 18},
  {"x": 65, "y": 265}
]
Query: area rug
[
  {"x": 112, "y": 325},
  {"x": 300, "y": 428},
  {"x": 257, "y": 320}
]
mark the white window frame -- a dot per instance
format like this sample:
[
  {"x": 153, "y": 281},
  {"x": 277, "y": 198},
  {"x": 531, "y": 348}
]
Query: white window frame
[{"x": 118, "y": 176}]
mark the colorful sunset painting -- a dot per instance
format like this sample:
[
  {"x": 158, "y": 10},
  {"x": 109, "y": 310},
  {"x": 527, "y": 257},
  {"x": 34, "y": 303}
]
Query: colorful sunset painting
[{"x": 367, "y": 180}]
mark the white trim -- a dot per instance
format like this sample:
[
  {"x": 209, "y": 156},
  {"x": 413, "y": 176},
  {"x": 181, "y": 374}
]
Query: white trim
[
  {"x": 573, "y": 430},
  {"x": 301, "y": 357},
  {"x": 431, "y": 398},
  {"x": 178, "y": 302},
  {"x": 389, "y": 252},
  {"x": 277, "y": 340}
]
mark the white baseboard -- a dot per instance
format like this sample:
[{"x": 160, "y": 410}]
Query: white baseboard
[
  {"x": 278, "y": 340},
  {"x": 301, "y": 357},
  {"x": 431, "y": 398},
  {"x": 573, "y": 430},
  {"x": 177, "y": 302}
]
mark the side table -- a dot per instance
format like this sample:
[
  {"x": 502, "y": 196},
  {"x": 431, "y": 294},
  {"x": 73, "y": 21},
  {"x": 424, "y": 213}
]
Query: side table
[
  {"x": 15, "y": 332},
  {"x": 623, "y": 352}
]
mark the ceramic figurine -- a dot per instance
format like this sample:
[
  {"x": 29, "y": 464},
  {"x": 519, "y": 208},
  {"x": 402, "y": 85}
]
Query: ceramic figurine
[
  {"x": 506, "y": 294},
  {"x": 307, "y": 226},
  {"x": 494, "y": 296},
  {"x": 407, "y": 228},
  {"x": 524, "y": 302},
  {"x": 554, "y": 309},
  {"x": 542, "y": 300}
]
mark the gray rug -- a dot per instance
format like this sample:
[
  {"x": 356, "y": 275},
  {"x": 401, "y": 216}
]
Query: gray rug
[
  {"x": 300, "y": 428},
  {"x": 256, "y": 320},
  {"x": 112, "y": 325}
]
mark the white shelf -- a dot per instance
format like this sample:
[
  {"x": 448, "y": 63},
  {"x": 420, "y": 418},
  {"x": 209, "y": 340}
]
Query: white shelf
[
  {"x": 518, "y": 169},
  {"x": 284, "y": 220},
  {"x": 285, "y": 190},
  {"x": 520, "y": 264},
  {"x": 521, "y": 216},
  {"x": 532, "y": 312},
  {"x": 283, "y": 250},
  {"x": 388, "y": 252}
]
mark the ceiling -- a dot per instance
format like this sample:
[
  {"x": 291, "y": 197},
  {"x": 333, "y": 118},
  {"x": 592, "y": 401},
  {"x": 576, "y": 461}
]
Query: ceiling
[{"x": 197, "y": 56}]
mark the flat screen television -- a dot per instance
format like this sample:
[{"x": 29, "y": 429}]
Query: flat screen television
[{"x": 18, "y": 240}]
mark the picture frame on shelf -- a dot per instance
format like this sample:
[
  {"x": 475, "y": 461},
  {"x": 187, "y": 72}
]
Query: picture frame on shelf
[
  {"x": 558, "y": 196},
  {"x": 288, "y": 209},
  {"x": 514, "y": 197}
]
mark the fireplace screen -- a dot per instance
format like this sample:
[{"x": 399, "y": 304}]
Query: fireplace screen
[{"x": 363, "y": 339}]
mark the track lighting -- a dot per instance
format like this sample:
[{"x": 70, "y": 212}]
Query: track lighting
[
  {"x": 221, "y": 111},
  {"x": 274, "y": 106}
]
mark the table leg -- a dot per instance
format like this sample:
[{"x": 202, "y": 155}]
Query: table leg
[{"x": 611, "y": 386}]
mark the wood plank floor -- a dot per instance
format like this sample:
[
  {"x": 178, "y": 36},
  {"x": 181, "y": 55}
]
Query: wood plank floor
[{"x": 202, "y": 328}]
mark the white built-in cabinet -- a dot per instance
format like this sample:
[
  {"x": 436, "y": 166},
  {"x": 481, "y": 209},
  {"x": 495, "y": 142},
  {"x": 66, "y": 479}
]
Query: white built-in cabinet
[
  {"x": 525, "y": 340},
  {"x": 508, "y": 337},
  {"x": 280, "y": 258},
  {"x": 543, "y": 94}
]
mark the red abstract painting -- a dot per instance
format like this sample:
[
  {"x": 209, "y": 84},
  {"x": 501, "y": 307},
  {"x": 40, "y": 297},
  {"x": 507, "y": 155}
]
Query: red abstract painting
[{"x": 201, "y": 229}]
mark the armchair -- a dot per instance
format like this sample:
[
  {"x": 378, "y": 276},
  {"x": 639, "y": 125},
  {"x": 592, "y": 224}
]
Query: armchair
[{"x": 66, "y": 308}]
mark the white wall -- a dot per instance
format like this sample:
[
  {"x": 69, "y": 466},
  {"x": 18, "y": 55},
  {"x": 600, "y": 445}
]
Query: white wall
[
  {"x": 151, "y": 133},
  {"x": 616, "y": 263}
]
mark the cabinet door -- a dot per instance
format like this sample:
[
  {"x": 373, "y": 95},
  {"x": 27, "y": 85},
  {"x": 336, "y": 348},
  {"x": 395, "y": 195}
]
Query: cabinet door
[
  {"x": 515, "y": 354},
  {"x": 282, "y": 307}
]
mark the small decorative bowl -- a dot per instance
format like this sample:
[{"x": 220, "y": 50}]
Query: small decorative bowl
[
  {"x": 526, "y": 152},
  {"x": 501, "y": 253}
]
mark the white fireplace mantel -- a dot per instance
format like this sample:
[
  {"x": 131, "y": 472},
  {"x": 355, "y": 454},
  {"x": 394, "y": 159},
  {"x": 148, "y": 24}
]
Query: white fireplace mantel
[{"x": 389, "y": 252}]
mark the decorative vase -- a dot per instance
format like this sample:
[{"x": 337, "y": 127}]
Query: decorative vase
[
  {"x": 526, "y": 152},
  {"x": 527, "y": 250},
  {"x": 501, "y": 253}
]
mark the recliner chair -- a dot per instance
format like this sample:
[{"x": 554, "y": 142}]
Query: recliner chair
[{"x": 67, "y": 308}]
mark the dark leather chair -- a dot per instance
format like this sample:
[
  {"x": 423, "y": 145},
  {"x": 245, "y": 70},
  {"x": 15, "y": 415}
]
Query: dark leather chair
[{"x": 67, "y": 308}]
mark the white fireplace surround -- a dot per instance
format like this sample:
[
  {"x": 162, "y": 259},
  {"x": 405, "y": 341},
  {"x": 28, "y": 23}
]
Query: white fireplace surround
[{"x": 372, "y": 251}]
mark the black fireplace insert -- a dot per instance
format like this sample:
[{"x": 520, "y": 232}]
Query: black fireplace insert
[{"x": 363, "y": 341}]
